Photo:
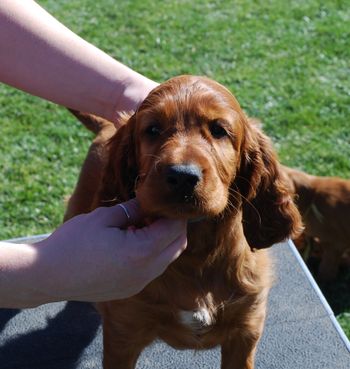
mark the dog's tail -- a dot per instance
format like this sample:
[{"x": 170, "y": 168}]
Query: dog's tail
[{"x": 92, "y": 122}]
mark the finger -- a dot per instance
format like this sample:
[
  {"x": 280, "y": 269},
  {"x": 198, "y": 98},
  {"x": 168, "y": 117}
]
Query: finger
[
  {"x": 171, "y": 252},
  {"x": 120, "y": 215},
  {"x": 162, "y": 232}
]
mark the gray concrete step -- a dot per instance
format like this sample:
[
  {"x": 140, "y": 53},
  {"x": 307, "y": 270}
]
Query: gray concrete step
[{"x": 301, "y": 331}]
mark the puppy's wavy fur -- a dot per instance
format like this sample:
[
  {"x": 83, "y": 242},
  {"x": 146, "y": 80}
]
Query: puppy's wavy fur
[{"x": 215, "y": 293}]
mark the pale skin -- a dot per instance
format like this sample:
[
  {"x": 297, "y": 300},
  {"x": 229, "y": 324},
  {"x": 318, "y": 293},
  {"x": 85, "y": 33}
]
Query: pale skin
[
  {"x": 92, "y": 257},
  {"x": 41, "y": 56}
]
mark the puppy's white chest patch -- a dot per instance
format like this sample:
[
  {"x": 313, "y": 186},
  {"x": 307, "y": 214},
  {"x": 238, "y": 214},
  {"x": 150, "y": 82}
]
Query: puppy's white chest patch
[{"x": 199, "y": 321}]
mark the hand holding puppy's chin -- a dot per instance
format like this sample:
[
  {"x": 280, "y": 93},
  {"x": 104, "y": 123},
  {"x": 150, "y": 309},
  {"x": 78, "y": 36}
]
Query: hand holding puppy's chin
[{"x": 152, "y": 210}]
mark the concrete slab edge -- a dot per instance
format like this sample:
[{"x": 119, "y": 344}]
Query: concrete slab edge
[
  {"x": 319, "y": 293},
  {"x": 33, "y": 239}
]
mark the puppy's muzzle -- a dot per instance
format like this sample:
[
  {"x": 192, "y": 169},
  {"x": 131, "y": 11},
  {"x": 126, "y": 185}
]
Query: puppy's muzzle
[{"x": 182, "y": 179}]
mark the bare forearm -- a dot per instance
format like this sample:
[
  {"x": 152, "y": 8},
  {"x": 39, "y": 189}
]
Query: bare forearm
[
  {"x": 41, "y": 56},
  {"x": 19, "y": 287}
]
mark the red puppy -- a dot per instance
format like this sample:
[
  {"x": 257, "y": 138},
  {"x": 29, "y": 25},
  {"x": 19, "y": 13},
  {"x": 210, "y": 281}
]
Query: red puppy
[
  {"x": 324, "y": 203},
  {"x": 190, "y": 152}
]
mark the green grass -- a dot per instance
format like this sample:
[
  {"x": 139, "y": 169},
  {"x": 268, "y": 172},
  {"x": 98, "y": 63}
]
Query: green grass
[{"x": 287, "y": 63}]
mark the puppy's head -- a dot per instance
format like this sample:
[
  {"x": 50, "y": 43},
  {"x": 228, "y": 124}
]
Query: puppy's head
[{"x": 190, "y": 152}]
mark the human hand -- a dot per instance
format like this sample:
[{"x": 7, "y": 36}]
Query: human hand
[{"x": 90, "y": 258}]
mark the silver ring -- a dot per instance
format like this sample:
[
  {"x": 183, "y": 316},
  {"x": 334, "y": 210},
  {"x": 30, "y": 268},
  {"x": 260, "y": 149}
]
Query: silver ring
[{"x": 125, "y": 210}]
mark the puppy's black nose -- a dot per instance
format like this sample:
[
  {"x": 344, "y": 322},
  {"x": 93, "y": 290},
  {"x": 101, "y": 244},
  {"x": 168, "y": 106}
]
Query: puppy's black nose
[{"x": 183, "y": 177}]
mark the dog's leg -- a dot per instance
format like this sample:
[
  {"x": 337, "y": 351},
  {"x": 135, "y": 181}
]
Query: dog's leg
[
  {"x": 121, "y": 359},
  {"x": 331, "y": 256},
  {"x": 238, "y": 353},
  {"x": 122, "y": 352}
]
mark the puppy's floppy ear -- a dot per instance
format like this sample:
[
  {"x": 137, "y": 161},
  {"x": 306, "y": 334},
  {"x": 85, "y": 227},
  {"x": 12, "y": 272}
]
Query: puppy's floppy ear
[
  {"x": 121, "y": 170},
  {"x": 269, "y": 213}
]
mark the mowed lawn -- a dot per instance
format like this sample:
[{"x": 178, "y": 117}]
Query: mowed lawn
[{"x": 286, "y": 62}]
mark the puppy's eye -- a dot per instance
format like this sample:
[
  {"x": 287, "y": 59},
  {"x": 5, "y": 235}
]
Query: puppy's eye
[
  {"x": 153, "y": 130},
  {"x": 217, "y": 130}
]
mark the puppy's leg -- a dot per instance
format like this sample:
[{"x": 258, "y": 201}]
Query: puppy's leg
[
  {"x": 122, "y": 351},
  {"x": 118, "y": 359},
  {"x": 329, "y": 266},
  {"x": 239, "y": 353}
]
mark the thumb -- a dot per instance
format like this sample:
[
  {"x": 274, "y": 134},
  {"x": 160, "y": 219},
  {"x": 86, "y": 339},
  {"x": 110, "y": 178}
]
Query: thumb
[{"x": 120, "y": 215}]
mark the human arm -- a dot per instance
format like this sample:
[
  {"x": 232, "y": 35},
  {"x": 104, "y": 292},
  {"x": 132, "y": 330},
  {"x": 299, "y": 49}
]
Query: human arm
[
  {"x": 41, "y": 56},
  {"x": 89, "y": 258}
]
